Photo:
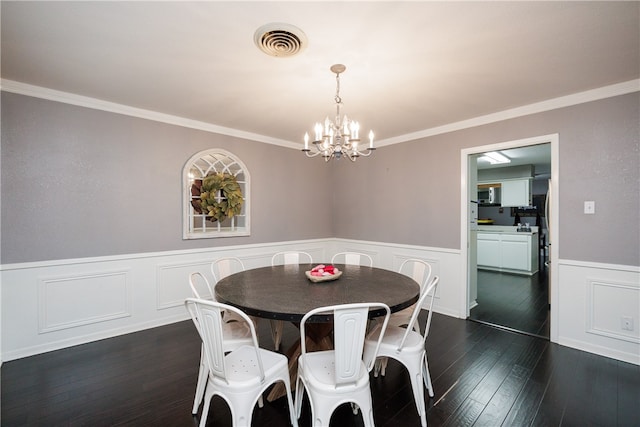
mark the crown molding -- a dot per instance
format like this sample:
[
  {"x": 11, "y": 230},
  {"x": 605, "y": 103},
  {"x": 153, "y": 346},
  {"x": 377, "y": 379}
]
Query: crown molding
[
  {"x": 112, "y": 107},
  {"x": 610, "y": 91}
]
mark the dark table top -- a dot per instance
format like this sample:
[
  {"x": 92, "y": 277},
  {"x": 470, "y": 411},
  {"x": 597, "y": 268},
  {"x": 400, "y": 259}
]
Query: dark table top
[{"x": 284, "y": 293}]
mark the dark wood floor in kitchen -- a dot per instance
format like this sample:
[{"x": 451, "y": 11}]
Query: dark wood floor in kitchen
[
  {"x": 482, "y": 376},
  {"x": 514, "y": 301}
]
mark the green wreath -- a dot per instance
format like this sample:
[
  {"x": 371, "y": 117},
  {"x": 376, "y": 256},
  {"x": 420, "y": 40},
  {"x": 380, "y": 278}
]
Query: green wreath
[{"x": 220, "y": 208}]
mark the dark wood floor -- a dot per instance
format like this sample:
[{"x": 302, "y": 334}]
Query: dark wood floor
[
  {"x": 514, "y": 301},
  {"x": 482, "y": 376}
]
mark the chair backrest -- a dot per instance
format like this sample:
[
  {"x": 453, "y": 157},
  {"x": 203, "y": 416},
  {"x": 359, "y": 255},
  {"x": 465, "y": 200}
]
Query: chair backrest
[
  {"x": 222, "y": 267},
  {"x": 349, "y": 329},
  {"x": 429, "y": 292},
  {"x": 291, "y": 257},
  {"x": 207, "y": 317},
  {"x": 418, "y": 270},
  {"x": 352, "y": 258},
  {"x": 199, "y": 284}
]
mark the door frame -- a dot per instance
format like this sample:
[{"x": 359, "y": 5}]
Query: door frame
[{"x": 465, "y": 156}]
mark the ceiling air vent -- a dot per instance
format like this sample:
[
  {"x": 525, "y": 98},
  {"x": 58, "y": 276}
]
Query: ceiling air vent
[{"x": 280, "y": 40}]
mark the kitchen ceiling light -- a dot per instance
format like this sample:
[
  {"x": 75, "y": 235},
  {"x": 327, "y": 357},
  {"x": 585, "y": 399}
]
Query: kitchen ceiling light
[
  {"x": 339, "y": 137},
  {"x": 495, "y": 158}
]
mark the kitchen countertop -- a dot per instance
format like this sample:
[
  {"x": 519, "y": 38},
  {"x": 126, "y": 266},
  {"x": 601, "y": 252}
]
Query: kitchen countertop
[{"x": 506, "y": 229}]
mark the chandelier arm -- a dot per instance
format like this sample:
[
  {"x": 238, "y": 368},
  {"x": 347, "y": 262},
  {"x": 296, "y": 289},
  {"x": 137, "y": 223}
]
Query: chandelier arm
[
  {"x": 351, "y": 156},
  {"x": 366, "y": 153},
  {"x": 310, "y": 154}
]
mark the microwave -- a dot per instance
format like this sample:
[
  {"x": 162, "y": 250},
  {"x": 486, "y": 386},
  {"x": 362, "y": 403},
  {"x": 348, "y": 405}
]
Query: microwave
[{"x": 489, "y": 196}]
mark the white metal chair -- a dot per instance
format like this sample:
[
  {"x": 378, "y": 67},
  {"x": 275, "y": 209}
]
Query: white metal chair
[
  {"x": 235, "y": 334},
  {"x": 291, "y": 257},
  {"x": 241, "y": 376},
  {"x": 285, "y": 258},
  {"x": 420, "y": 271},
  {"x": 338, "y": 376},
  {"x": 221, "y": 268},
  {"x": 408, "y": 347},
  {"x": 352, "y": 258}
]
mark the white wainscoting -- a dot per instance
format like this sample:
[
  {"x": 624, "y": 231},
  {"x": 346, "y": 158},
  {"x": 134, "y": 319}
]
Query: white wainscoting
[
  {"x": 593, "y": 300},
  {"x": 56, "y": 304}
]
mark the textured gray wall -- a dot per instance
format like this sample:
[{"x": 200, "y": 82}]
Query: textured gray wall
[
  {"x": 78, "y": 182},
  {"x": 410, "y": 193}
]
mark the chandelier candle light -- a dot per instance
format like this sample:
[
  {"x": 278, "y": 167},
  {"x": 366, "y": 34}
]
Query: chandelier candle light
[{"x": 340, "y": 137}]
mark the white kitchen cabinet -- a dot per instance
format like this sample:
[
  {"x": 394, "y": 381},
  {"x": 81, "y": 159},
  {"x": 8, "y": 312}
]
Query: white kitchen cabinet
[
  {"x": 489, "y": 251},
  {"x": 516, "y": 192},
  {"x": 510, "y": 252},
  {"x": 516, "y": 252}
]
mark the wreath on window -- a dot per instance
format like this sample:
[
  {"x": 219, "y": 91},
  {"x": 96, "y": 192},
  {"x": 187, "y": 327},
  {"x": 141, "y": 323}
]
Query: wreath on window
[{"x": 220, "y": 196}]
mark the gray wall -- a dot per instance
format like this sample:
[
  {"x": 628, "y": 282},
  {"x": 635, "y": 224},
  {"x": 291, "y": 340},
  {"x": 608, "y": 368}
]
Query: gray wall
[
  {"x": 410, "y": 193},
  {"x": 78, "y": 182}
]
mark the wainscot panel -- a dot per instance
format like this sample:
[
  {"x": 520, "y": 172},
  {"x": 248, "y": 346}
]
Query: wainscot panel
[
  {"x": 595, "y": 299},
  {"x": 94, "y": 298}
]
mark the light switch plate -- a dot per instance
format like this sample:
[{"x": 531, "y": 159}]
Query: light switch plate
[{"x": 589, "y": 207}]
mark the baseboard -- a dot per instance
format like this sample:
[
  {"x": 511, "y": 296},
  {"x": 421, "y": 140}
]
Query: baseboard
[{"x": 633, "y": 358}]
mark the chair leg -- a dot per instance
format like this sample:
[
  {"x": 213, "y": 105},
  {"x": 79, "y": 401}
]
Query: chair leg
[
  {"x": 292, "y": 409},
  {"x": 365, "y": 404},
  {"x": 276, "y": 332},
  {"x": 368, "y": 418},
  {"x": 427, "y": 376},
  {"x": 205, "y": 409},
  {"x": 299, "y": 397},
  {"x": 241, "y": 412},
  {"x": 202, "y": 382},
  {"x": 418, "y": 395}
]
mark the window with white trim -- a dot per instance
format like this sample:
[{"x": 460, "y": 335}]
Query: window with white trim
[{"x": 215, "y": 196}]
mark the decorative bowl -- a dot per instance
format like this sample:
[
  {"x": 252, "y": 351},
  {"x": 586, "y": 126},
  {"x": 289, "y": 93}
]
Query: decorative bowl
[{"x": 327, "y": 278}]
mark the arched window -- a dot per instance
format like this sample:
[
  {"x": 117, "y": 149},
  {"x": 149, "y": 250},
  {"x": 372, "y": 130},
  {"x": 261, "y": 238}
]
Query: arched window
[{"x": 215, "y": 196}]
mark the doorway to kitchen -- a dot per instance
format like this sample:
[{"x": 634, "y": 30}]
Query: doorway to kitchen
[
  {"x": 514, "y": 302},
  {"x": 509, "y": 268}
]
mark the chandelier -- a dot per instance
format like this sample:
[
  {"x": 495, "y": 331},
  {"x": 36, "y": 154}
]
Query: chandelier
[{"x": 340, "y": 137}]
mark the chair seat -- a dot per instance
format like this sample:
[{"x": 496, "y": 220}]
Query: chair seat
[
  {"x": 320, "y": 365},
  {"x": 242, "y": 367},
  {"x": 391, "y": 341}
]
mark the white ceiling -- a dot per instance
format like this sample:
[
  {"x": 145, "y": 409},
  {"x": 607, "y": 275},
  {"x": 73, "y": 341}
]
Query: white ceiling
[{"x": 411, "y": 66}]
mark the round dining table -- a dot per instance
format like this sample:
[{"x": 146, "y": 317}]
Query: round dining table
[{"x": 285, "y": 293}]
